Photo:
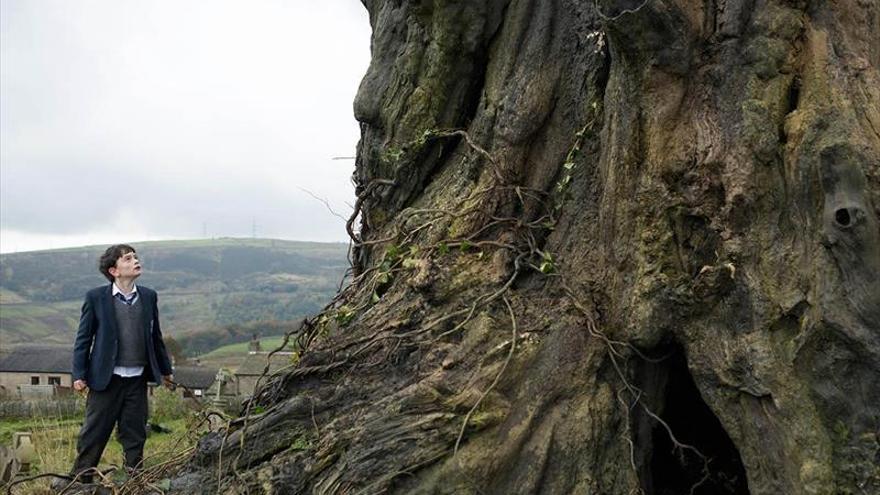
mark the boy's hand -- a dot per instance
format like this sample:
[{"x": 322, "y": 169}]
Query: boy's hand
[
  {"x": 80, "y": 385},
  {"x": 168, "y": 381}
]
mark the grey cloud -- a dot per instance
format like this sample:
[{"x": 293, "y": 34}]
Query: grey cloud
[{"x": 196, "y": 112}]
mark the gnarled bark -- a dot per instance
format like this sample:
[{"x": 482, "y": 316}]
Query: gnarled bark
[{"x": 654, "y": 249}]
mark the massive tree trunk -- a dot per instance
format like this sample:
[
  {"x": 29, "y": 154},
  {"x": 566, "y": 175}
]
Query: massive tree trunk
[{"x": 606, "y": 247}]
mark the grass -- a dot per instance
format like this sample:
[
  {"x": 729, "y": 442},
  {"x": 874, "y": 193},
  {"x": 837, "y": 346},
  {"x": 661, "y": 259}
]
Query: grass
[
  {"x": 9, "y": 297},
  {"x": 13, "y": 425},
  {"x": 48, "y": 324},
  {"x": 55, "y": 444},
  {"x": 230, "y": 356},
  {"x": 240, "y": 349},
  {"x": 55, "y": 438}
]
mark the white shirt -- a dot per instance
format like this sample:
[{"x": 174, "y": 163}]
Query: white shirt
[{"x": 127, "y": 371}]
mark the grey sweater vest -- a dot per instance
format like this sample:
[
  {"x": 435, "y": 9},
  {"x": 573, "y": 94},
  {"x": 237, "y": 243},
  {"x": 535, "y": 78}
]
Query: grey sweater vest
[{"x": 130, "y": 319}]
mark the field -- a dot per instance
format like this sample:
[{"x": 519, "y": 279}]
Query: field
[
  {"x": 54, "y": 439},
  {"x": 230, "y": 356},
  {"x": 237, "y": 350}
]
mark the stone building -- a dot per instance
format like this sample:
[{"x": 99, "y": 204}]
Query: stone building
[
  {"x": 35, "y": 370},
  {"x": 194, "y": 380},
  {"x": 252, "y": 367}
]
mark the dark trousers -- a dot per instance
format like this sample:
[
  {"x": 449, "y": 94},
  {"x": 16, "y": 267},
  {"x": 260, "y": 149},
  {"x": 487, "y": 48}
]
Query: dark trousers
[{"x": 124, "y": 404}]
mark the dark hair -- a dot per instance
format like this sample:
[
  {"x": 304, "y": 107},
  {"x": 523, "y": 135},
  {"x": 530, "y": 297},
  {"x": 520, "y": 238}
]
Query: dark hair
[{"x": 108, "y": 259}]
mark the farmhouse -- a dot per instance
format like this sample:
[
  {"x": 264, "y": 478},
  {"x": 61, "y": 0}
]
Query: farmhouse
[
  {"x": 252, "y": 367},
  {"x": 194, "y": 380},
  {"x": 35, "y": 369}
]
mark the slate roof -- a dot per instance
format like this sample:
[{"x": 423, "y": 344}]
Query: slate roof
[
  {"x": 195, "y": 377},
  {"x": 253, "y": 364},
  {"x": 37, "y": 359}
]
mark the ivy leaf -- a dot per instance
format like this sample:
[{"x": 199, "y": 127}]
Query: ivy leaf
[
  {"x": 344, "y": 315},
  {"x": 392, "y": 253},
  {"x": 547, "y": 265}
]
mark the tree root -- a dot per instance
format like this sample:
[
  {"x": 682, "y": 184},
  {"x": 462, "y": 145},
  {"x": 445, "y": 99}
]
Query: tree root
[{"x": 497, "y": 377}]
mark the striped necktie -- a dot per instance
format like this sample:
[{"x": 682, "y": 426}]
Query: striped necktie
[{"x": 127, "y": 300}]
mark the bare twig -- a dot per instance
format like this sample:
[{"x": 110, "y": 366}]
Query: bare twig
[{"x": 326, "y": 203}]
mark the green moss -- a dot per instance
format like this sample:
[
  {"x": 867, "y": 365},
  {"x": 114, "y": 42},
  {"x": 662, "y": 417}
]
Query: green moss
[
  {"x": 760, "y": 129},
  {"x": 766, "y": 55},
  {"x": 780, "y": 22},
  {"x": 841, "y": 432},
  {"x": 344, "y": 315},
  {"x": 300, "y": 443},
  {"x": 390, "y": 156},
  {"x": 480, "y": 420},
  {"x": 468, "y": 273}
]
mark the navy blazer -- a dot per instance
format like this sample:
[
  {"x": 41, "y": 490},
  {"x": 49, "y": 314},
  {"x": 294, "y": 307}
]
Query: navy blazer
[{"x": 95, "y": 347}]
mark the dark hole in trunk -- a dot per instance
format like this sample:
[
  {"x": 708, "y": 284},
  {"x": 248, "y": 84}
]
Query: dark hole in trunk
[
  {"x": 794, "y": 95},
  {"x": 666, "y": 470},
  {"x": 842, "y": 217}
]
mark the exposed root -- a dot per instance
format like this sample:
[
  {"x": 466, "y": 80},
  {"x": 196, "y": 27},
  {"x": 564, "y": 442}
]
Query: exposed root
[
  {"x": 620, "y": 14},
  {"x": 497, "y": 377},
  {"x": 635, "y": 392},
  {"x": 470, "y": 142}
]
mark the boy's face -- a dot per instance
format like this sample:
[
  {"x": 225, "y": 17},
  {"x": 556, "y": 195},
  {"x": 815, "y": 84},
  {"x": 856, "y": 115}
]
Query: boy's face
[{"x": 127, "y": 266}]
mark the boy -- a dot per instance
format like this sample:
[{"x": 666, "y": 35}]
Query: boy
[{"x": 118, "y": 348}]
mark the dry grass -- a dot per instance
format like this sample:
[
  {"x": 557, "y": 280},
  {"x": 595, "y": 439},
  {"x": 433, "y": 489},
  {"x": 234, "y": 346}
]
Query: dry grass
[{"x": 54, "y": 439}]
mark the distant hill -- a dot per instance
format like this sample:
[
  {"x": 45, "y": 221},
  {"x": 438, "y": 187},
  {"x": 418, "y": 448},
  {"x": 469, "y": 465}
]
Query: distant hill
[{"x": 207, "y": 288}]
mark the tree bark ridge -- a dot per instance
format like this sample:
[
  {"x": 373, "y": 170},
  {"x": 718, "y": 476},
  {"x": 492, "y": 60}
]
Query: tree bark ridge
[{"x": 673, "y": 190}]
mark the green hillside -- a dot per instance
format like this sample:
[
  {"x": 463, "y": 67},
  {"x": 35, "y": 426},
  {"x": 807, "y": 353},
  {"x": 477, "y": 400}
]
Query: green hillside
[
  {"x": 211, "y": 292},
  {"x": 230, "y": 356}
]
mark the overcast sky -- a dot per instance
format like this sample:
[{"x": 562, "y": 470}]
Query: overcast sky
[{"x": 124, "y": 120}]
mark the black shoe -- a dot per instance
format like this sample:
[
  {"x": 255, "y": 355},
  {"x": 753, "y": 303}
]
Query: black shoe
[
  {"x": 63, "y": 485},
  {"x": 71, "y": 483}
]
